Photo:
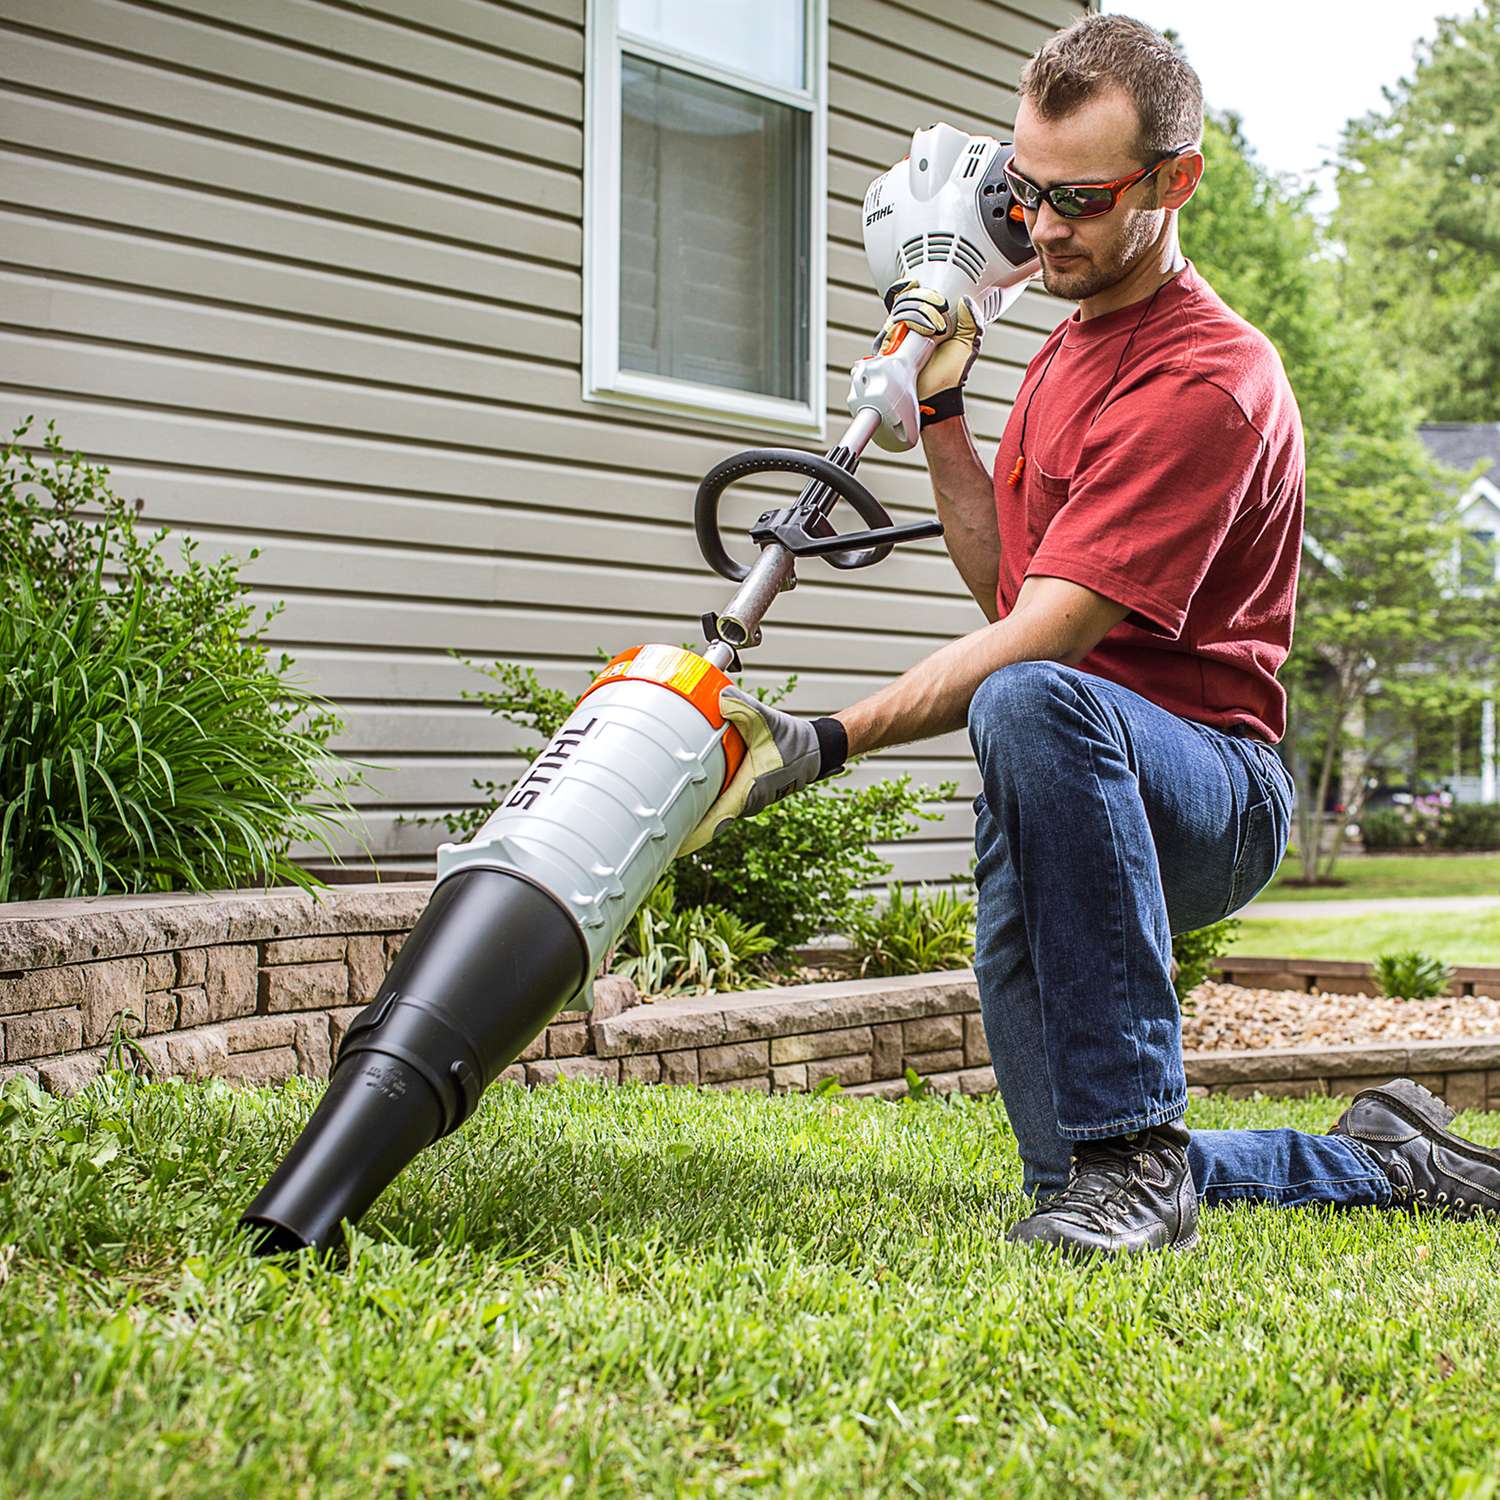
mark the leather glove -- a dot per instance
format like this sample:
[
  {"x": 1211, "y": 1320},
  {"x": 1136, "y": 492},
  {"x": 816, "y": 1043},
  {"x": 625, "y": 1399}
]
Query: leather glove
[
  {"x": 783, "y": 754},
  {"x": 940, "y": 385}
]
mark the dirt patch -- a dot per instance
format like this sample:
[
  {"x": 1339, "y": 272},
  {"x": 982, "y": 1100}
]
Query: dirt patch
[{"x": 1233, "y": 1018}]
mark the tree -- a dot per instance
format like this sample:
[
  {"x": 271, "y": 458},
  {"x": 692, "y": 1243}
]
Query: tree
[
  {"x": 1382, "y": 635},
  {"x": 1260, "y": 248},
  {"x": 1386, "y": 640},
  {"x": 1419, "y": 218}
]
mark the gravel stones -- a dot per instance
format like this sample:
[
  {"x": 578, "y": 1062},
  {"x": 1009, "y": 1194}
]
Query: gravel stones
[{"x": 1233, "y": 1018}]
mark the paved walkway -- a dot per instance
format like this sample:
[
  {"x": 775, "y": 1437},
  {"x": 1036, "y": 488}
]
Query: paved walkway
[{"x": 1369, "y": 908}]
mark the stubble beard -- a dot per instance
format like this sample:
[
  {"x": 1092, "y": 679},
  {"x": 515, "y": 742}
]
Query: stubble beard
[{"x": 1108, "y": 265}]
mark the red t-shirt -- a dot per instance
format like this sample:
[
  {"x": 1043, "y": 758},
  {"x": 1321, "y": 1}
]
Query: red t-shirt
[{"x": 1175, "y": 487}]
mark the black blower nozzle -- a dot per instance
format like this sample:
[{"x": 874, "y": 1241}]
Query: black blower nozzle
[{"x": 492, "y": 959}]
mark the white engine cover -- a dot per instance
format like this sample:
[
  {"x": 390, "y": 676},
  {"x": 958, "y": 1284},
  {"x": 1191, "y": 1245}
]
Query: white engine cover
[{"x": 942, "y": 217}]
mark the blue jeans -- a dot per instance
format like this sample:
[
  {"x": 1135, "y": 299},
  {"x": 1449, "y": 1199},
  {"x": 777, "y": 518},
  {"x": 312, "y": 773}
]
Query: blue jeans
[{"x": 1105, "y": 825}]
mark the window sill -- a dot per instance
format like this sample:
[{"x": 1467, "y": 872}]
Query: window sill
[{"x": 705, "y": 403}]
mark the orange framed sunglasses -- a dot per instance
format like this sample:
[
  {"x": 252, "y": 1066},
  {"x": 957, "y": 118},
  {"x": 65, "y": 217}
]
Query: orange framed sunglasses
[{"x": 1084, "y": 200}]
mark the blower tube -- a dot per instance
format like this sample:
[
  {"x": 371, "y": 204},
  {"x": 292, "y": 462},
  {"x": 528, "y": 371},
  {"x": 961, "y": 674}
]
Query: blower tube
[{"x": 493, "y": 958}]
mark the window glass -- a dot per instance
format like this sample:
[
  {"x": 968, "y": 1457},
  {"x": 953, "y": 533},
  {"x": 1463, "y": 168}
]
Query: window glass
[
  {"x": 1478, "y": 560},
  {"x": 760, "y": 38},
  {"x": 714, "y": 231}
]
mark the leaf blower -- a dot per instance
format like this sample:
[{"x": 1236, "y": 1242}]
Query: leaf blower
[{"x": 524, "y": 913}]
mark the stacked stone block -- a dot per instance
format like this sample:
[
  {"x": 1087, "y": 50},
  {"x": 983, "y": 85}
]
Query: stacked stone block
[{"x": 260, "y": 986}]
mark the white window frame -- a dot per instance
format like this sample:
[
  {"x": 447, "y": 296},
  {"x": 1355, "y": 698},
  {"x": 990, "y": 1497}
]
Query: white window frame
[{"x": 603, "y": 378}]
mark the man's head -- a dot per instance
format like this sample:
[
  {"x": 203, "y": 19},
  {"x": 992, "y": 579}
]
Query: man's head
[{"x": 1099, "y": 101}]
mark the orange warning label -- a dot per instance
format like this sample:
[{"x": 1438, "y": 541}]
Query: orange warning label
[{"x": 684, "y": 673}]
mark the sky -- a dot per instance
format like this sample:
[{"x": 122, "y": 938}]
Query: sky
[{"x": 1296, "y": 70}]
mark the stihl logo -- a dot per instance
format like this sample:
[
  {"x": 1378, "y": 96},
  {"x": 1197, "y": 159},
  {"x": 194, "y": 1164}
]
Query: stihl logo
[
  {"x": 879, "y": 213},
  {"x": 544, "y": 768}
]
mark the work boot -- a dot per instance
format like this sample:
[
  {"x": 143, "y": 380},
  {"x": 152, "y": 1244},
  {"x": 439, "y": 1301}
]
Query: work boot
[
  {"x": 1124, "y": 1195},
  {"x": 1405, "y": 1129}
]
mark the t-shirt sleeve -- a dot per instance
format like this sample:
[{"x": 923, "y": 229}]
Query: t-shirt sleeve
[{"x": 1158, "y": 483}]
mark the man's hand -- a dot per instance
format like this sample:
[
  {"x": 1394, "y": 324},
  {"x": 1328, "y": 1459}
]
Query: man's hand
[
  {"x": 783, "y": 754},
  {"x": 958, "y": 331}
]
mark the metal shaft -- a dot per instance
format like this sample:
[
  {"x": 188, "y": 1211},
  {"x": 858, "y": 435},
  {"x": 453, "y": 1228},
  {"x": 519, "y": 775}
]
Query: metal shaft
[{"x": 773, "y": 571}]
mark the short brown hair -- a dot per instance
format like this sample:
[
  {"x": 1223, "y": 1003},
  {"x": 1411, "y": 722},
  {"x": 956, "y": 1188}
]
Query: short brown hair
[{"x": 1097, "y": 53}]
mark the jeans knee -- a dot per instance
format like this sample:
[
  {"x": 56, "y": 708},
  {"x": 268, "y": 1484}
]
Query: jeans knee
[{"x": 1014, "y": 703}]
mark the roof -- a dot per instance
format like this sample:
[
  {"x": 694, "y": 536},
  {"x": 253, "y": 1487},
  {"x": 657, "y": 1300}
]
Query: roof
[{"x": 1463, "y": 444}]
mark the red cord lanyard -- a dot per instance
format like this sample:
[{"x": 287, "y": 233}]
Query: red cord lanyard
[{"x": 1014, "y": 477}]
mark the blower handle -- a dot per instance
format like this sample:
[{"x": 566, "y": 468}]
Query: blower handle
[
  {"x": 885, "y": 382},
  {"x": 803, "y": 529}
]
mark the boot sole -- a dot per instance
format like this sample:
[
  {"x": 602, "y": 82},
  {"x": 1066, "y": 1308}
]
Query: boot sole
[{"x": 1072, "y": 1250}]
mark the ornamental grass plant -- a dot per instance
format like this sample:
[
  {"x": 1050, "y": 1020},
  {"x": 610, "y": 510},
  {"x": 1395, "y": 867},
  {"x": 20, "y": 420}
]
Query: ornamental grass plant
[
  {"x": 149, "y": 740},
  {"x": 915, "y": 931}
]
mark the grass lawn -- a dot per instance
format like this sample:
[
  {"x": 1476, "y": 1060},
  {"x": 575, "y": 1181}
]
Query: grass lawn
[
  {"x": 604, "y": 1291},
  {"x": 1455, "y": 937},
  {"x": 1373, "y": 876}
]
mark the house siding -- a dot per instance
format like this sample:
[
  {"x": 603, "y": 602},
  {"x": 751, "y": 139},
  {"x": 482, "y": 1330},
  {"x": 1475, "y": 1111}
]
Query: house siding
[{"x": 306, "y": 275}]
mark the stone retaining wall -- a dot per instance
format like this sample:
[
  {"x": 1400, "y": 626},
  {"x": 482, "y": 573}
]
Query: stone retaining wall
[
  {"x": 260, "y": 986},
  {"x": 253, "y": 985},
  {"x": 1334, "y": 976}
]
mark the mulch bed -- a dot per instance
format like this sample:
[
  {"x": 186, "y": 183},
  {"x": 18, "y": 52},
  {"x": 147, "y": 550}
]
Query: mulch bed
[{"x": 1234, "y": 1018}]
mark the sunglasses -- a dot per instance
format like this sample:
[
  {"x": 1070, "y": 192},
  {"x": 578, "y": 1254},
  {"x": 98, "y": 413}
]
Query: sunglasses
[{"x": 1084, "y": 200}]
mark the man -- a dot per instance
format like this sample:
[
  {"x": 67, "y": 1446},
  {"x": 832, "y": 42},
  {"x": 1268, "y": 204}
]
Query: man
[{"x": 1136, "y": 554}]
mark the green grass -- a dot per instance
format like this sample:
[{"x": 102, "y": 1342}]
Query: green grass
[
  {"x": 1455, "y": 937},
  {"x": 1375, "y": 876},
  {"x": 659, "y": 1291}
]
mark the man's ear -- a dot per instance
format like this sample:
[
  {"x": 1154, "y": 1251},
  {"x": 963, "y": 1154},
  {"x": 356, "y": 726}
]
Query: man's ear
[{"x": 1180, "y": 180}]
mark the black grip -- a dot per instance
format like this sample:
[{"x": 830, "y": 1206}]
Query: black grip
[{"x": 739, "y": 466}]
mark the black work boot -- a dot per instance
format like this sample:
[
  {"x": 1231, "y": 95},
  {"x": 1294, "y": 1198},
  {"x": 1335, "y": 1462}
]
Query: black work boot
[
  {"x": 1405, "y": 1129},
  {"x": 1124, "y": 1195}
]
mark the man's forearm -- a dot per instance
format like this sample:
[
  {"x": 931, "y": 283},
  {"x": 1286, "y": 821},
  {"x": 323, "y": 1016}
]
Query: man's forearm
[
  {"x": 1053, "y": 621},
  {"x": 965, "y": 496}
]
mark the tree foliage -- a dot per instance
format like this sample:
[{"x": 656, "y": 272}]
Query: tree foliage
[
  {"x": 1419, "y": 217},
  {"x": 1382, "y": 634},
  {"x": 1385, "y": 638}
]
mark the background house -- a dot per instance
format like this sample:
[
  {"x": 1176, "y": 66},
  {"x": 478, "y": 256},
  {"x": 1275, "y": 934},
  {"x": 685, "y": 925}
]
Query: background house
[
  {"x": 1462, "y": 445},
  {"x": 445, "y": 306}
]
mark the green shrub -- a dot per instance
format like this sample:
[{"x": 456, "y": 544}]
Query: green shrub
[
  {"x": 798, "y": 867},
  {"x": 1387, "y": 829},
  {"x": 519, "y": 698},
  {"x": 1198, "y": 951},
  {"x": 794, "y": 870},
  {"x": 1472, "y": 825},
  {"x": 672, "y": 950},
  {"x": 147, "y": 739},
  {"x": 1412, "y": 975},
  {"x": 1462, "y": 825},
  {"x": 915, "y": 932}
]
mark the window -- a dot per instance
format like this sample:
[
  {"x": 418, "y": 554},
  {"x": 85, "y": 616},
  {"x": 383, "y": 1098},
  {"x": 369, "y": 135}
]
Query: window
[
  {"x": 1479, "y": 559},
  {"x": 704, "y": 209}
]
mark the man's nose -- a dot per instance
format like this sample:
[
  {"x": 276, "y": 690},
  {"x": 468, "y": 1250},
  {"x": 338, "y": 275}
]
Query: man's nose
[{"x": 1048, "y": 227}]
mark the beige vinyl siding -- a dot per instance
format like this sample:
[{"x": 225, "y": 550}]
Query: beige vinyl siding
[{"x": 306, "y": 275}]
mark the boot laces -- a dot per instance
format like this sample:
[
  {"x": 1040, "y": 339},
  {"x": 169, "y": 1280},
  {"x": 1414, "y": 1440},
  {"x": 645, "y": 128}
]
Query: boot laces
[
  {"x": 1403, "y": 1185},
  {"x": 1102, "y": 1177}
]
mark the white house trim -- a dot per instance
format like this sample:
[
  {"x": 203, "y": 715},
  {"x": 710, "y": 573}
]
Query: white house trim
[{"x": 603, "y": 378}]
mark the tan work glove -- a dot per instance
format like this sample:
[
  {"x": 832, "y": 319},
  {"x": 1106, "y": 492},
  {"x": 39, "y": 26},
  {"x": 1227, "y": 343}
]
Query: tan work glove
[
  {"x": 960, "y": 334},
  {"x": 783, "y": 754}
]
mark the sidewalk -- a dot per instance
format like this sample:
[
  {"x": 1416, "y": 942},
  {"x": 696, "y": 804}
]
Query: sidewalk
[{"x": 1312, "y": 910}]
